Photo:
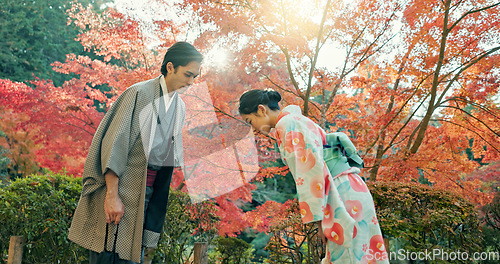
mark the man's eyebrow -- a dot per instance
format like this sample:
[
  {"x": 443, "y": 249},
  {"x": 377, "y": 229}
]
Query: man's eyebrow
[{"x": 191, "y": 73}]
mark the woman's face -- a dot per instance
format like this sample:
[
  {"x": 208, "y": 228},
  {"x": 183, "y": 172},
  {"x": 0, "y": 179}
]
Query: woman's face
[{"x": 260, "y": 121}]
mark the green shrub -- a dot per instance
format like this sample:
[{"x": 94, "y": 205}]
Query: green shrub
[
  {"x": 231, "y": 250},
  {"x": 40, "y": 208},
  {"x": 491, "y": 227},
  {"x": 413, "y": 217},
  {"x": 185, "y": 224},
  {"x": 419, "y": 218}
]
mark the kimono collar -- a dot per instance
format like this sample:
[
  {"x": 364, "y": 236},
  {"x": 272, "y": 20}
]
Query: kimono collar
[
  {"x": 164, "y": 89},
  {"x": 166, "y": 96},
  {"x": 291, "y": 109}
]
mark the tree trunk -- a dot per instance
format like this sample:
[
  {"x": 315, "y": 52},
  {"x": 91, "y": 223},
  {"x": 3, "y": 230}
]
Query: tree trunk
[{"x": 435, "y": 83}]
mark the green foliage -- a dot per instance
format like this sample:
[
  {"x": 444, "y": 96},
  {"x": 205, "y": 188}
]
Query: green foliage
[
  {"x": 185, "y": 224},
  {"x": 415, "y": 216},
  {"x": 491, "y": 242},
  {"x": 426, "y": 218},
  {"x": 231, "y": 250},
  {"x": 34, "y": 34},
  {"x": 491, "y": 228},
  {"x": 40, "y": 209},
  {"x": 279, "y": 189},
  {"x": 259, "y": 242},
  {"x": 4, "y": 164}
]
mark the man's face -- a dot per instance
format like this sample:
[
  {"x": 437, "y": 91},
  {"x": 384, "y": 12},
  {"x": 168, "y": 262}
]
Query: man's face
[{"x": 182, "y": 76}]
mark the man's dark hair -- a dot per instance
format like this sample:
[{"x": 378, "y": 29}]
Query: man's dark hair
[{"x": 180, "y": 54}]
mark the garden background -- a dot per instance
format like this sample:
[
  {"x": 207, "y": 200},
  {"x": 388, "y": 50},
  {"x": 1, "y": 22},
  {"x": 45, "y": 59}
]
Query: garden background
[{"x": 414, "y": 83}]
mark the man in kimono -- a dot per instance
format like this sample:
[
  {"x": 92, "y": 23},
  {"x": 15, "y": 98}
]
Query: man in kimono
[{"x": 129, "y": 166}]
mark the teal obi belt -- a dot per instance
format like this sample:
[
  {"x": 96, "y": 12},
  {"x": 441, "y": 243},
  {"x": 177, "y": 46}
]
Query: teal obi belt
[{"x": 340, "y": 154}]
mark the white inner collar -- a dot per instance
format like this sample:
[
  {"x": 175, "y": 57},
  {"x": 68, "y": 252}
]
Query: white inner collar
[{"x": 166, "y": 96}]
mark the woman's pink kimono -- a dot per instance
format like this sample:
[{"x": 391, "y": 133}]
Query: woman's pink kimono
[{"x": 341, "y": 202}]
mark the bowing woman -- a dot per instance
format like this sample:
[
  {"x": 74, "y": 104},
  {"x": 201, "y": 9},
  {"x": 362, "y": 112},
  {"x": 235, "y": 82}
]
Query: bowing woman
[{"x": 332, "y": 195}]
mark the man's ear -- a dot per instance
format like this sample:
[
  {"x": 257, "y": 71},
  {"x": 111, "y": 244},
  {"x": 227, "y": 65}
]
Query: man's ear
[{"x": 170, "y": 67}]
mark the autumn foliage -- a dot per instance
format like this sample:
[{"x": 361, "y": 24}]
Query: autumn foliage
[
  {"x": 415, "y": 89},
  {"x": 415, "y": 85}
]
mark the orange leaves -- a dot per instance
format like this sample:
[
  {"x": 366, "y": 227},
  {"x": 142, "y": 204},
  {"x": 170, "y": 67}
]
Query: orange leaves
[
  {"x": 379, "y": 94},
  {"x": 114, "y": 35},
  {"x": 271, "y": 214},
  {"x": 95, "y": 73},
  {"x": 391, "y": 72},
  {"x": 418, "y": 8},
  {"x": 107, "y": 32}
]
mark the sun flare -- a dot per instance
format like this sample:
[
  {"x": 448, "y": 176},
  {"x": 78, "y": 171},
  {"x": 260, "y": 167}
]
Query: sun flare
[{"x": 217, "y": 57}]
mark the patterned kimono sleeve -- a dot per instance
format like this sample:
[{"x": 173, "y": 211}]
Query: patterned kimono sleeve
[
  {"x": 301, "y": 150},
  {"x": 116, "y": 141}
]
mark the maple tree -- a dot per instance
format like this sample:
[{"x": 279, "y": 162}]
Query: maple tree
[
  {"x": 414, "y": 89},
  {"x": 66, "y": 117},
  {"x": 439, "y": 96},
  {"x": 16, "y": 140}
]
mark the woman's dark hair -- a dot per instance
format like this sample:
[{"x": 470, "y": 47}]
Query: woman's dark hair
[
  {"x": 180, "y": 54},
  {"x": 250, "y": 100}
]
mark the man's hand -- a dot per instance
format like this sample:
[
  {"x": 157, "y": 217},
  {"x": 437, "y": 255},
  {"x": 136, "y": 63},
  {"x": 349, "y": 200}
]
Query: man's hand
[
  {"x": 113, "y": 209},
  {"x": 113, "y": 206}
]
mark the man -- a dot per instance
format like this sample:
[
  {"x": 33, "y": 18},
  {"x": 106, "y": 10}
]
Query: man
[{"x": 129, "y": 166}]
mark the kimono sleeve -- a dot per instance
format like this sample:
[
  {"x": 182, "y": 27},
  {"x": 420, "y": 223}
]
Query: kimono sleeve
[
  {"x": 115, "y": 144},
  {"x": 178, "y": 142},
  {"x": 302, "y": 151}
]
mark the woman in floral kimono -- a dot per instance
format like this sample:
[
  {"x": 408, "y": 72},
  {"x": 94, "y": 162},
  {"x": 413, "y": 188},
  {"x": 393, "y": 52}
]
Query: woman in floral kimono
[{"x": 340, "y": 203}]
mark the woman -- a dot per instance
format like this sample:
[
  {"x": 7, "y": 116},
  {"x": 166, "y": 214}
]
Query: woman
[{"x": 340, "y": 203}]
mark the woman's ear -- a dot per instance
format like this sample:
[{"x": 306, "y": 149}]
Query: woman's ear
[{"x": 262, "y": 110}]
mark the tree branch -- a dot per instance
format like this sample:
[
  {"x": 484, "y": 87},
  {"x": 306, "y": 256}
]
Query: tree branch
[
  {"x": 472, "y": 12},
  {"x": 475, "y": 118},
  {"x": 425, "y": 121},
  {"x": 316, "y": 53},
  {"x": 464, "y": 68},
  {"x": 290, "y": 71},
  {"x": 453, "y": 123},
  {"x": 464, "y": 100}
]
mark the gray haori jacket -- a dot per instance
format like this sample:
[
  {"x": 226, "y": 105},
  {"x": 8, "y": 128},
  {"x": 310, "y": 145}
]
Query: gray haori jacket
[{"x": 122, "y": 143}]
